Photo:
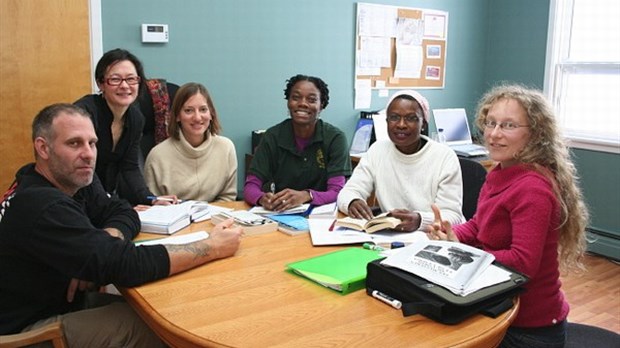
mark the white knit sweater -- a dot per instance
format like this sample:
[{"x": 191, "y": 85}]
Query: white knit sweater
[{"x": 413, "y": 182}]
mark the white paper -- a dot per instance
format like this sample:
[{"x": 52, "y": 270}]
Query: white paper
[
  {"x": 376, "y": 20},
  {"x": 410, "y": 32},
  {"x": 380, "y": 124},
  {"x": 374, "y": 52},
  {"x": 409, "y": 59},
  {"x": 435, "y": 25},
  {"x": 363, "y": 93},
  {"x": 325, "y": 211},
  {"x": 176, "y": 240}
]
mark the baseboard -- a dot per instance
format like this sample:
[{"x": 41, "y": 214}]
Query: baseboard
[{"x": 603, "y": 243}]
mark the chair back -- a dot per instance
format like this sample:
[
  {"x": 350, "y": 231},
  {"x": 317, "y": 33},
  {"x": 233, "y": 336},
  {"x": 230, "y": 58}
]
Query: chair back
[
  {"x": 152, "y": 110},
  {"x": 473, "y": 174},
  {"x": 51, "y": 332}
]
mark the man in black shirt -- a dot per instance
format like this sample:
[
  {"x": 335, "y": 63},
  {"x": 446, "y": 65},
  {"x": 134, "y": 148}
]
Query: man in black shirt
[{"x": 61, "y": 235}]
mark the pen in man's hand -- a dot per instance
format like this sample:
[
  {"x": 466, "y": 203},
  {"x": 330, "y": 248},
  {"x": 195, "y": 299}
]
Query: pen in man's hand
[
  {"x": 165, "y": 199},
  {"x": 272, "y": 187}
]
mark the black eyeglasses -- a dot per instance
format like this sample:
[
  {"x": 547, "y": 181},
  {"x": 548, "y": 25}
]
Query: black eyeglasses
[
  {"x": 115, "y": 81},
  {"x": 408, "y": 119},
  {"x": 504, "y": 126}
]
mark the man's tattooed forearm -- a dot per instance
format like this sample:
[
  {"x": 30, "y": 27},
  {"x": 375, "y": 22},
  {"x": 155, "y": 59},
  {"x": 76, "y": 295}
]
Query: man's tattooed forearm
[{"x": 199, "y": 250}]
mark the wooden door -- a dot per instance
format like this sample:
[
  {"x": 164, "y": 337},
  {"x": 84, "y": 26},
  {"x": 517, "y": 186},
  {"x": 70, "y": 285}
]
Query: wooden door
[{"x": 44, "y": 59}]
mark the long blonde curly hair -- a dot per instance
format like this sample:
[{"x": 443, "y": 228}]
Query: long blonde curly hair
[{"x": 548, "y": 154}]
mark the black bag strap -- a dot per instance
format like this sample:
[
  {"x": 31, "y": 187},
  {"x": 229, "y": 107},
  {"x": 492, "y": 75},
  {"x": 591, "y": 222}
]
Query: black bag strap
[
  {"x": 494, "y": 310},
  {"x": 418, "y": 307}
]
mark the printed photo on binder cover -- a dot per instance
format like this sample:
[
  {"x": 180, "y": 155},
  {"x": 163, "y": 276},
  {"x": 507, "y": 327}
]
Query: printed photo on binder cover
[
  {"x": 458, "y": 267},
  {"x": 343, "y": 270}
]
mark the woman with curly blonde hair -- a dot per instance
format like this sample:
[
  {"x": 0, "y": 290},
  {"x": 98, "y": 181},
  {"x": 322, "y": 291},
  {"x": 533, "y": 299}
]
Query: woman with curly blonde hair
[{"x": 531, "y": 213}]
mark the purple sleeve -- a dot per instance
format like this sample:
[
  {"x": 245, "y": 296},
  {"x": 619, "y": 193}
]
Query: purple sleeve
[
  {"x": 334, "y": 185},
  {"x": 252, "y": 189}
]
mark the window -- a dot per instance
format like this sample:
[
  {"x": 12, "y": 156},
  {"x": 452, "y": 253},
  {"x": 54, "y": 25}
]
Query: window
[{"x": 582, "y": 77}]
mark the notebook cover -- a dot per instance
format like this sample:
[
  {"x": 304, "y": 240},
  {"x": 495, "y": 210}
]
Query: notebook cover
[
  {"x": 291, "y": 224},
  {"x": 343, "y": 268}
]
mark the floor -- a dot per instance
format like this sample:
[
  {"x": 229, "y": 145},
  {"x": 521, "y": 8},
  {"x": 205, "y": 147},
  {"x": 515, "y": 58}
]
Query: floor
[{"x": 594, "y": 296}]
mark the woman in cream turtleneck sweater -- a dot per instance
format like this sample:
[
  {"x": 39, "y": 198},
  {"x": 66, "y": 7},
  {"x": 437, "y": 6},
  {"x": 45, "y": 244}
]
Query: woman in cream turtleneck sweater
[{"x": 195, "y": 162}]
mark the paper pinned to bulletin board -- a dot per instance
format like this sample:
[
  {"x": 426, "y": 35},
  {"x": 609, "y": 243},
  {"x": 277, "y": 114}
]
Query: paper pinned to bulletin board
[{"x": 400, "y": 47}]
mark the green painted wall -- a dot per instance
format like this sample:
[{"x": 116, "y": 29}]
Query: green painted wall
[{"x": 243, "y": 51}]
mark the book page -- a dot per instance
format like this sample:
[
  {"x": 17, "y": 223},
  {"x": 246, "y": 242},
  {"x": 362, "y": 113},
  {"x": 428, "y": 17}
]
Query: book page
[
  {"x": 382, "y": 223},
  {"x": 349, "y": 222}
]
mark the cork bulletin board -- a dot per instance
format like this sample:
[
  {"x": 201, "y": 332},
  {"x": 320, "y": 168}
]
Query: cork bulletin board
[{"x": 400, "y": 47}]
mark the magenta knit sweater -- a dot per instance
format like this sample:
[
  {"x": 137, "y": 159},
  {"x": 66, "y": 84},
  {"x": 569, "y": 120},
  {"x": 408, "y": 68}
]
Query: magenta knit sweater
[{"x": 516, "y": 220}]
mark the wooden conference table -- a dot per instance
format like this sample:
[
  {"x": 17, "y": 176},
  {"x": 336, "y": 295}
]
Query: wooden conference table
[{"x": 248, "y": 300}]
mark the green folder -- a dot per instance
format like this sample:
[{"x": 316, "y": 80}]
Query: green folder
[{"x": 343, "y": 270}]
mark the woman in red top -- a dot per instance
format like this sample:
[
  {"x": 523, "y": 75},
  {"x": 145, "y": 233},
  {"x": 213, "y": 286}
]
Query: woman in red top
[{"x": 530, "y": 213}]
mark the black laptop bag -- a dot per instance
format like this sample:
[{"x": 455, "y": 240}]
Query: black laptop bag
[{"x": 419, "y": 296}]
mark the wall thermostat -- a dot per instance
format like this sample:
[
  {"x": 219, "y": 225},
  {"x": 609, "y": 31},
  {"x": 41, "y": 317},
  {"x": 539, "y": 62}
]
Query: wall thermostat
[{"x": 154, "y": 33}]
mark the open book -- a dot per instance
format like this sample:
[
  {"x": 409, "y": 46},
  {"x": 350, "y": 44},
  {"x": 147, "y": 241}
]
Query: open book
[
  {"x": 378, "y": 223},
  {"x": 457, "y": 267}
]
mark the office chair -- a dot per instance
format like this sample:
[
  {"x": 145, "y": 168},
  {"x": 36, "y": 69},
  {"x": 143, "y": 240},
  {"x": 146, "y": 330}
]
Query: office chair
[
  {"x": 473, "y": 174},
  {"x": 580, "y": 335},
  {"x": 50, "y": 332}
]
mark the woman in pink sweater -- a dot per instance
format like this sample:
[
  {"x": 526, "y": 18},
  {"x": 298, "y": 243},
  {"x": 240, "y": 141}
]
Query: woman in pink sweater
[{"x": 530, "y": 213}]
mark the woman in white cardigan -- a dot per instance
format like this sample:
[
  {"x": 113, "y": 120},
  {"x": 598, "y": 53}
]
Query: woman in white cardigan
[
  {"x": 407, "y": 173},
  {"x": 195, "y": 162}
]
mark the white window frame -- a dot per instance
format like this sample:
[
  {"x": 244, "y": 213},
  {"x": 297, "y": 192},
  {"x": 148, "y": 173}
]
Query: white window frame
[
  {"x": 96, "y": 38},
  {"x": 557, "y": 66}
]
